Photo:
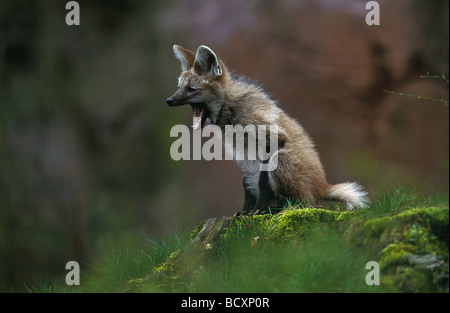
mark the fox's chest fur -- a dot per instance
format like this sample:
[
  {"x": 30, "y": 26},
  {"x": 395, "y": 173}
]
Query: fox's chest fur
[
  {"x": 248, "y": 105},
  {"x": 227, "y": 100}
]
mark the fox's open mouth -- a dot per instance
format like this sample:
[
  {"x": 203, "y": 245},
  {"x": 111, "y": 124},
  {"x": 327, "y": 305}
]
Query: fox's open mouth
[{"x": 200, "y": 114}]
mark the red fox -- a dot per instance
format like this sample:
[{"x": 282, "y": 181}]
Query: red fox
[{"x": 222, "y": 98}]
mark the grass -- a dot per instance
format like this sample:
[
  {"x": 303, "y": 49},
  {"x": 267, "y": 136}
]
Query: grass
[
  {"x": 318, "y": 261},
  {"x": 112, "y": 272},
  {"x": 398, "y": 199}
]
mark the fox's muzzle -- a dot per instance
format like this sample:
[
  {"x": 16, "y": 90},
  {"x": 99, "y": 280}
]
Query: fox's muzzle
[
  {"x": 178, "y": 98},
  {"x": 172, "y": 102}
]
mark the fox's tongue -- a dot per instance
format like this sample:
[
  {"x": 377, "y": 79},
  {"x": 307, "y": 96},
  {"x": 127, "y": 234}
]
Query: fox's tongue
[{"x": 197, "y": 118}]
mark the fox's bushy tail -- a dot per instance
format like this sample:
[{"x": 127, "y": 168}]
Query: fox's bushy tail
[{"x": 352, "y": 194}]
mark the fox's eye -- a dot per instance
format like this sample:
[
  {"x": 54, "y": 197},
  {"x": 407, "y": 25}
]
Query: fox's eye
[{"x": 190, "y": 89}]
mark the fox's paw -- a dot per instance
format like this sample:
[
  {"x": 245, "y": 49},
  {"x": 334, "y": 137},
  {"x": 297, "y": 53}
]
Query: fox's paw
[
  {"x": 259, "y": 212},
  {"x": 244, "y": 213}
]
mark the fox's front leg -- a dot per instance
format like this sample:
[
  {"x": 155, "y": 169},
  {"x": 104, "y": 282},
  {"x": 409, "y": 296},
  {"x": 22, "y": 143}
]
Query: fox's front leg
[
  {"x": 250, "y": 200},
  {"x": 266, "y": 194}
]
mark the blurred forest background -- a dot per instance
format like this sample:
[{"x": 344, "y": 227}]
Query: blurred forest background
[{"x": 84, "y": 127}]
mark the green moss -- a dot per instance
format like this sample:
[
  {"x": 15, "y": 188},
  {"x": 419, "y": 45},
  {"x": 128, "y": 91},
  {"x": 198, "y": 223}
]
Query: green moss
[
  {"x": 425, "y": 242},
  {"x": 294, "y": 223},
  {"x": 417, "y": 240},
  {"x": 135, "y": 285},
  {"x": 167, "y": 266},
  {"x": 376, "y": 226},
  {"x": 394, "y": 252},
  {"x": 408, "y": 279},
  {"x": 196, "y": 230},
  {"x": 387, "y": 229},
  {"x": 283, "y": 226},
  {"x": 419, "y": 233}
]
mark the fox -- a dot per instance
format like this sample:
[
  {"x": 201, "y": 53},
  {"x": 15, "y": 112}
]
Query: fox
[{"x": 220, "y": 97}]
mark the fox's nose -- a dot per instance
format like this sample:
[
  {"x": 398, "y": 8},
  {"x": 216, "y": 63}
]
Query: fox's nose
[{"x": 169, "y": 101}]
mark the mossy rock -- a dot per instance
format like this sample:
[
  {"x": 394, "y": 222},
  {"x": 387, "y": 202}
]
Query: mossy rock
[
  {"x": 286, "y": 225},
  {"x": 402, "y": 243},
  {"x": 402, "y": 239}
]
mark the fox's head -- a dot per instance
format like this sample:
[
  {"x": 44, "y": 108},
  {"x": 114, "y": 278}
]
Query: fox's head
[{"x": 201, "y": 84}]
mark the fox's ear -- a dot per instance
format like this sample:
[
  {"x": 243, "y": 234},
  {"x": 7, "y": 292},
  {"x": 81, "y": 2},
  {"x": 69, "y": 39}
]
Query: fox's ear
[
  {"x": 185, "y": 56},
  {"x": 207, "y": 62}
]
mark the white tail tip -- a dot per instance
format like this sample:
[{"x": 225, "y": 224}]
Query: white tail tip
[{"x": 352, "y": 194}]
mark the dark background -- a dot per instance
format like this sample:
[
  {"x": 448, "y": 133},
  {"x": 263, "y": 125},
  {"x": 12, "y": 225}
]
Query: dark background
[{"x": 84, "y": 128}]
